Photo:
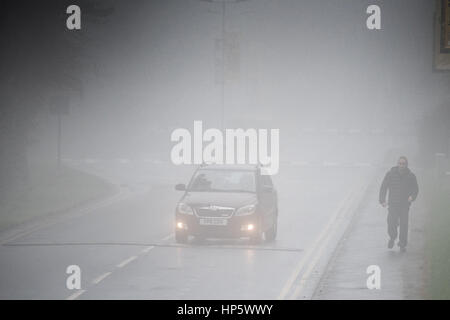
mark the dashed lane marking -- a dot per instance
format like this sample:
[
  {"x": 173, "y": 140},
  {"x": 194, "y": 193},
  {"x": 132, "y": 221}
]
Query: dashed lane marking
[
  {"x": 146, "y": 250},
  {"x": 170, "y": 236},
  {"x": 100, "y": 278},
  {"x": 76, "y": 295},
  {"x": 150, "y": 246},
  {"x": 75, "y": 214},
  {"x": 126, "y": 261}
]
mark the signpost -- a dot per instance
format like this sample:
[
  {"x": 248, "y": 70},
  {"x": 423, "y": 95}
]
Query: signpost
[
  {"x": 59, "y": 105},
  {"x": 227, "y": 56}
]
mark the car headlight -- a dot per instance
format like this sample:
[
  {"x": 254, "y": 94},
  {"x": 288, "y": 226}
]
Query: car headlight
[
  {"x": 246, "y": 210},
  {"x": 183, "y": 208}
]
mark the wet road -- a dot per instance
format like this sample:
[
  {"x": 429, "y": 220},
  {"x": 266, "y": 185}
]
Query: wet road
[{"x": 126, "y": 249}]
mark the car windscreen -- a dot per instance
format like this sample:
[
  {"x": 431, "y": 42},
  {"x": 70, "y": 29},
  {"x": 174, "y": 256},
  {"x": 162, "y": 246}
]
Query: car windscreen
[{"x": 223, "y": 181}]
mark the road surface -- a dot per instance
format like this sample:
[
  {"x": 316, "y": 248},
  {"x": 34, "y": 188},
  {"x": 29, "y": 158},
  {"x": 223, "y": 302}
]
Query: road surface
[{"x": 125, "y": 246}]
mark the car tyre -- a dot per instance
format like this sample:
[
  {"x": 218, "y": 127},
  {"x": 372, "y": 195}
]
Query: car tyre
[
  {"x": 257, "y": 238},
  {"x": 271, "y": 234},
  {"x": 181, "y": 237}
]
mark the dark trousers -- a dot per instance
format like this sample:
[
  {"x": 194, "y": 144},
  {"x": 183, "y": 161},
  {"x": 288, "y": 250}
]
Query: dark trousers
[{"x": 398, "y": 216}]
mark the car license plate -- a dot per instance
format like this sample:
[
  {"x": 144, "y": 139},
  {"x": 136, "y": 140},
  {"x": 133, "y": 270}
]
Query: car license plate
[{"x": 213, "y": 222}]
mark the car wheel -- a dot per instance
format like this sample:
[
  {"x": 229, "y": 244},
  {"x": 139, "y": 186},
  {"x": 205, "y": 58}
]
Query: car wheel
[
  {"x": 257, "y": 238},
  {"x": 181, "y": 237},
  {"x": 271, "y": 234}
]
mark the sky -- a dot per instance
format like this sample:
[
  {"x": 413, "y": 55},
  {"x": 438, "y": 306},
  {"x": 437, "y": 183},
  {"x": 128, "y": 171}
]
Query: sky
[{"x": 155, "y": 66}]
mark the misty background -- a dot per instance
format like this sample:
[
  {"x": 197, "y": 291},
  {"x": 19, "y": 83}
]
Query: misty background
[
  {"x": 348, "y": 101},
  {"x": 138, "y": 70}
]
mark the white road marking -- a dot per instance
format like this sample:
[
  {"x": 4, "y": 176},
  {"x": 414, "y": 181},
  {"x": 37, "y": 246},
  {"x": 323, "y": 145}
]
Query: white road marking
[
  {"x": 170, "y": 236},
  {"x": 76, "y": 295},
  {"x": 76, "y": 213},
  {"x": 319, "y": 252},
  {"x": 100, "y": 278},
  {"x": 300, "y": 163},
  {"x": 146, "y": 250},
  {"x": 123, "y": 160},
  {"x": 362, "y": 164},
  {"x": 126, "y": 261},
  {"x": 120, "y": 265},
  {"x": 330, "y": 164},
  {"x": 310, "y": 268},
  {"x": 91, "y": 160},
  {"x": 287, "y": 287}
]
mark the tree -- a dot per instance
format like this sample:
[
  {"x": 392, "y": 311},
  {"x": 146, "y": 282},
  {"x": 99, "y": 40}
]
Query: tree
[{"x": 39, "y": 57}]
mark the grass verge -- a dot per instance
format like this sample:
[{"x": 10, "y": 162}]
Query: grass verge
[
  {"x": 437, "y": 241},
  {"x": 51, "y": 191}
]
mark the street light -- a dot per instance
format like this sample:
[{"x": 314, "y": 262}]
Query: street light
[
  {"x": 222, "y": 82},
  {"x": 59, "y": 106}
]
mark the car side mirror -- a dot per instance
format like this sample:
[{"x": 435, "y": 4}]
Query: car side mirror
[
  {"x": 180, "y": 187},
  {"x": 266, "y": 189}
]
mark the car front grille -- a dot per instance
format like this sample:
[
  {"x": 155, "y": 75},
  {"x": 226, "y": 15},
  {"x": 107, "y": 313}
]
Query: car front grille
[{"x": 214, "y": 211}]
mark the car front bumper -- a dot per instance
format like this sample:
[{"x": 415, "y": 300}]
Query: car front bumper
[{"x": 236, "y": 227}]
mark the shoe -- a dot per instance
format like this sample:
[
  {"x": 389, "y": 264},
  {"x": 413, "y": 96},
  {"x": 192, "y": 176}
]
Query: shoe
[{"x": 391, "y": 243}]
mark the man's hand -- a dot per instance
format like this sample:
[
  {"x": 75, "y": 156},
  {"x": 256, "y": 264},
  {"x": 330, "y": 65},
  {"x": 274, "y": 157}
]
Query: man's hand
[{"x": 384, "y": 204}]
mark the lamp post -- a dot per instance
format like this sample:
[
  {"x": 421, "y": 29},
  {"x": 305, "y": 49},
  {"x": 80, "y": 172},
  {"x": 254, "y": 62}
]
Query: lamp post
[
  {"x": 223, "y": 42},
  {"x": 59, "y": 106}
]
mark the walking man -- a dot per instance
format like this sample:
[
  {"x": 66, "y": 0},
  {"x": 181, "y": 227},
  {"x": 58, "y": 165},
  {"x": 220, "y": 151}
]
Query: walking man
[{"x": 403, "y": 190}]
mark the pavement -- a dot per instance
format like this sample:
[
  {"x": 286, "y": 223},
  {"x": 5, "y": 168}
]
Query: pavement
[{"x": 364, "y": 244}]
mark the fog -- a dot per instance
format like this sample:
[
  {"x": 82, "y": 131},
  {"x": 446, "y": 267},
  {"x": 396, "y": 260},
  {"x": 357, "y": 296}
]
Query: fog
[
  {"x": 293, "y": 65},
  {"x": 347, "y": 101}
]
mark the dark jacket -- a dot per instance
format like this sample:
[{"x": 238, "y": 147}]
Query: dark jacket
[{"x": 400, "y": 186}]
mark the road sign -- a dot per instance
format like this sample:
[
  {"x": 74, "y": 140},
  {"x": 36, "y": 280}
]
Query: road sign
[
  {"x": 442, "y": 36},
  {"x": 446, "y": 24}
]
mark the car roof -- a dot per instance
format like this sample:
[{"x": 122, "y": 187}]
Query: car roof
[{"x": 239, "y": 167}]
